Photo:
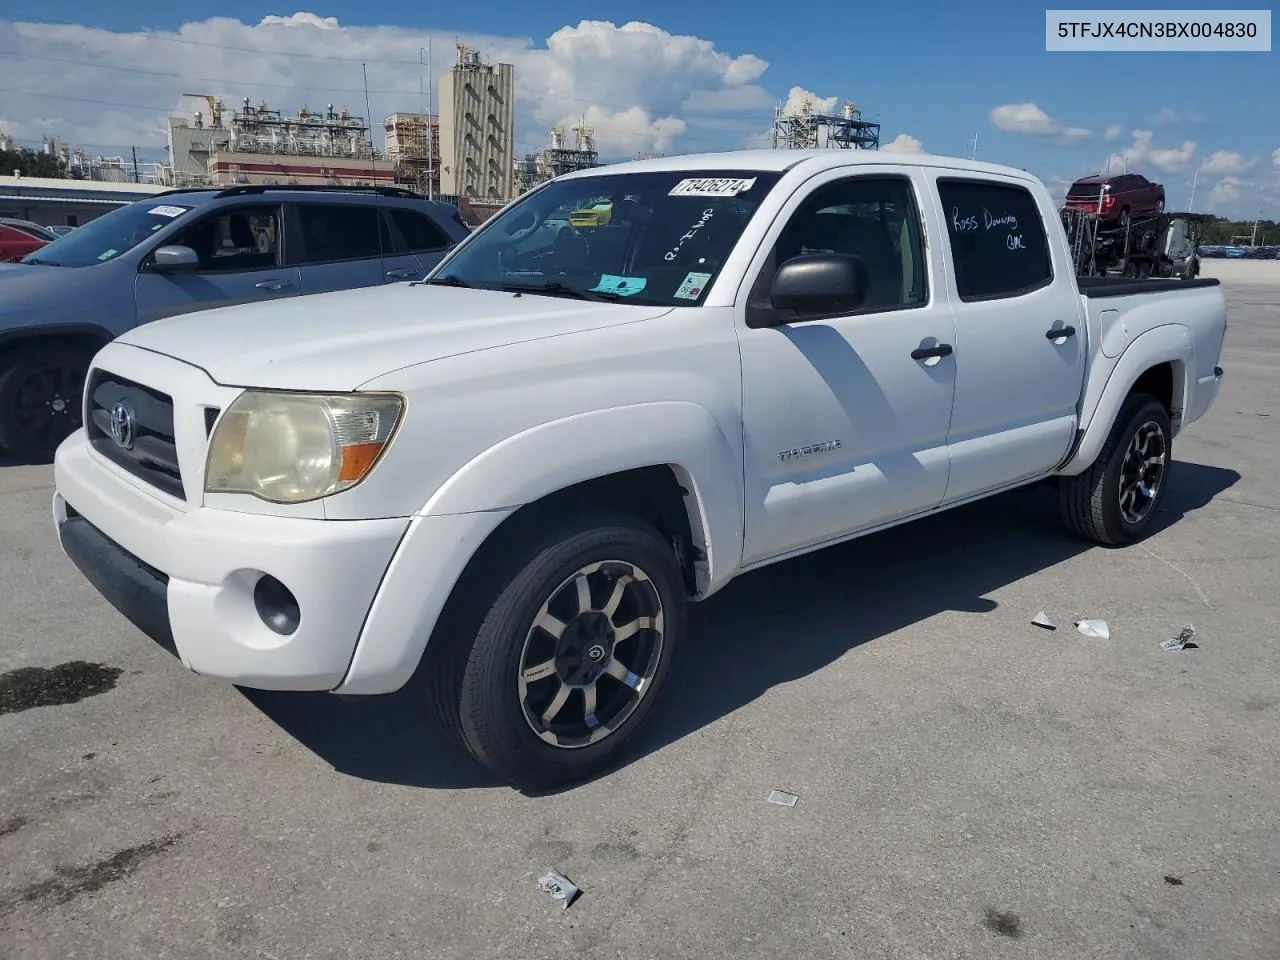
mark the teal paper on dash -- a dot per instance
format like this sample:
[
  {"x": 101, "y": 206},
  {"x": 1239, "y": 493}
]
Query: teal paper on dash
[{"x": 622, "y": 286}]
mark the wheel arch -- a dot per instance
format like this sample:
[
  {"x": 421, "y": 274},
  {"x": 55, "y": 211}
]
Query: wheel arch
[
  {"x": 88, "y": 335},
  {"x": 671, "y": 461},
  {"x": 1156, "y": 362}
]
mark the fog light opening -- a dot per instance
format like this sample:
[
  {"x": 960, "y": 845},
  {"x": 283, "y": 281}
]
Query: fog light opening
[{"x": 277, "y": 607}]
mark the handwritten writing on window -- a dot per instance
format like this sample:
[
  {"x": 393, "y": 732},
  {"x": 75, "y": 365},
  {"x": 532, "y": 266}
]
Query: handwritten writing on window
[
  {"x": 986, "y": 220},
  {"x": 675, "y": 251}
]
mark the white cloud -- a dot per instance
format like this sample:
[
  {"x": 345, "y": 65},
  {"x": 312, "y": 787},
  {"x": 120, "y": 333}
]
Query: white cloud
[
  {"x": 1029, "y": 119},
  {"x": 1227, "y": 161},
  {"x": 903, "y": 143},
  {"x": 1275, "y": 157},
  {"x": 1168, "y": 117},
  {"x": 1114, "y": 131},
  {"x": 1225, "y": 193},
  {"x": 641, "y": 87},
  {"x": 1141, "y": 153}
]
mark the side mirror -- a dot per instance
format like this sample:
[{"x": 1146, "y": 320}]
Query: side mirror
[
  {"x": 820, "y": 284},
  {"x": 173, "y": 259}
]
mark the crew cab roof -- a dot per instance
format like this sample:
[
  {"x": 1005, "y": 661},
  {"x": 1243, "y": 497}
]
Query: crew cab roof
[{"x": 784, "y": 160}]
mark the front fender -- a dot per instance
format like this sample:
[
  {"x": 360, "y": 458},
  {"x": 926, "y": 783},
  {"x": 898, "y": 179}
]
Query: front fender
[
  {"x": 556, "y": 455},
  {"x": 473, "y": 503},
  {"x": 1168, "y": 343}
]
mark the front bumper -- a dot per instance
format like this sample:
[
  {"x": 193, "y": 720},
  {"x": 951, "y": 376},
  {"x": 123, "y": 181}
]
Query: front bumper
[{"x": 187, "y": 577}]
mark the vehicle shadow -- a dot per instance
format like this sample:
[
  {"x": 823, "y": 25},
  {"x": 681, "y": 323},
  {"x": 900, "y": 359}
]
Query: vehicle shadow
[{"x": 782, "y": 623}]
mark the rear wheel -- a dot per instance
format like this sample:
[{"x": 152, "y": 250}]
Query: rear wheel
[
  {"x": 40, "y": 397},
  {"x": 1116, "y": 499},
  {"x": 572, "y": 653}
]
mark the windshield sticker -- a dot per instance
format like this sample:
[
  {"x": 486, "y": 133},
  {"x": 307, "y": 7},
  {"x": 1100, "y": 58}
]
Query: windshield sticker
[
  {"x": 168, "y": 211},
  {"x": 622, "y": 286},
  {"x": 107, "y": 254},
  {"x": 691, "y": 288},
  {"x": 712, "y": 187},
  {"x": 675, "y": 251}
]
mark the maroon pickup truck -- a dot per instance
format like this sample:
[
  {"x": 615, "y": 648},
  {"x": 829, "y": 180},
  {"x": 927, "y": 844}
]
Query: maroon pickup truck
[{"x": 1123, "y": 196}]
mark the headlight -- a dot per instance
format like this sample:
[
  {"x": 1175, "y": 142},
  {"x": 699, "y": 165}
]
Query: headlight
[{"x": 293, "y": 447}]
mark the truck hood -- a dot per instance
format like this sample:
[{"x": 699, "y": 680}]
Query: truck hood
[{"x": 338, "y": 341}]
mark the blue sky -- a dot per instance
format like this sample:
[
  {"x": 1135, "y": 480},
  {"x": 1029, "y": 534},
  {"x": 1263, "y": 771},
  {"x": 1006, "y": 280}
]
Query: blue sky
[{"x": 931, "y": 72}]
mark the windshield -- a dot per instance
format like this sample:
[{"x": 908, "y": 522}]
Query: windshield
[
  {"x": 109, "y": 235},
  {"x": 648, "y": 238}
]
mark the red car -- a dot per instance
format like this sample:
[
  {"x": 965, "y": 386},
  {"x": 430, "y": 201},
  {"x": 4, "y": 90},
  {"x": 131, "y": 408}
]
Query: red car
[
  {"x": 1127, "y": 195},
  {"x": 18, "y": 238}
]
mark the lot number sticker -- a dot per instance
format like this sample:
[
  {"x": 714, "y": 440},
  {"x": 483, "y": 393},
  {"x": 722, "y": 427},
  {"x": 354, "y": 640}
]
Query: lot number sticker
[
  {"x": 167, "y": 211},
  {"x": 691, "y": 289},
  {"x": 712, "y": 187}
]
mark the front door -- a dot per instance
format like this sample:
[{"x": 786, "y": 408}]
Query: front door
[
  {"x": 239, "y": 252},
  {"x": 846, "y": 417},
  {"x": 1020, "y": 331}
]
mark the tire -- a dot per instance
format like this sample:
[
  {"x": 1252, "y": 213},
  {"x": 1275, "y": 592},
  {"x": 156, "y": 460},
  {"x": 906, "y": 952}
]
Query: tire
[
  {"x": 41, "y": 386},
  {"x": 1091, "y": 502},
  {"x": 477, "y": 675}
]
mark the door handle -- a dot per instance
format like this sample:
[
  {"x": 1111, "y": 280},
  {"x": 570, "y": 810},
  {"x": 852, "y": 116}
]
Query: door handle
[
  {"x": 925, "y": 353},
  {"x": 1060, "y": 333},
  {"x": 273, "y": 284},
  {"x": 402, "y": 273}
]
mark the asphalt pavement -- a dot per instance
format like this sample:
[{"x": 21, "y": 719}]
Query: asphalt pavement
[{"x": 969, "y": 784}]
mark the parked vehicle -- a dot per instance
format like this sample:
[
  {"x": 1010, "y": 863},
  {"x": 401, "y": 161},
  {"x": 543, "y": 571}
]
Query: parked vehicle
[
  {"x": 511, "y": 479},
  {"x": 183, "y": 251},
  {"x": 1117, "y": 199},
  {"x": 1154, "y": 246},
  {"x": 60, "y": 228},
  {"x": 21, "y": 237}
]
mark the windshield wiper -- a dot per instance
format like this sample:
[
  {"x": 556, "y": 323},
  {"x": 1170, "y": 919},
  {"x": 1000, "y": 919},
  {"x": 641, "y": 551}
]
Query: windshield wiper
[
  {"x": 43, "y": 263},
  {"x": 448, "y": 281},
  {"x": 557, "y": 289}
]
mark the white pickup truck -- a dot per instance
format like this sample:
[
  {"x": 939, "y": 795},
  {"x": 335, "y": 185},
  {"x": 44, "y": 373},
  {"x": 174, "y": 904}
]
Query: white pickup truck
[{"x": 510, "y": 479}]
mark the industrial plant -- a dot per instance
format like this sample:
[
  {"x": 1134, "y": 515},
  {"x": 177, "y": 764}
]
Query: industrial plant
[{"x": 464, "y": 151}]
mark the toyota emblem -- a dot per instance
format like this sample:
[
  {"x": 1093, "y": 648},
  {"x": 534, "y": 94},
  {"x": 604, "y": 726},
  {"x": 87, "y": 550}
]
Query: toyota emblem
[
  {"x": 123, "y": 425},
  {"x": 595, "y": 653}
]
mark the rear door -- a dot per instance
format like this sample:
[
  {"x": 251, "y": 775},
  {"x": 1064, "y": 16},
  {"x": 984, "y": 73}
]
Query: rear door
[
  {"x": 240, "y": 261},
  {"x": 335, "y": 246},
  {"x": 1020, "y": 336},
  {"x": 424, "y": 242}
]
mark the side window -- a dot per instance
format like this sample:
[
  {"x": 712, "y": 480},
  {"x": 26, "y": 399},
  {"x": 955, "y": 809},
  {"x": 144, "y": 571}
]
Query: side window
[
  {"x": 334, "y": 232},
  {"x": 421, "y": 234},
  {"x": 874, "y": 218},
  {"x": 998, "y": 242},
  {"x": 235, "y": 239}
]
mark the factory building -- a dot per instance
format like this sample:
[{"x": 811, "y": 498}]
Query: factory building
[
  {"x": 412, "y": 144},
  {"x": 262, "y": 145},
  {"x": 477, "y": 128}
]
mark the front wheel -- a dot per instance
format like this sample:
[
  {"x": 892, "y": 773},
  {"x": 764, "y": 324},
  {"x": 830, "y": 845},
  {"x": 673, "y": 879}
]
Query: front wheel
[
  {"x": 40, "y": 395},
  {"x": 570, "y": 658},
  {"x": 1116, "y": 499}
]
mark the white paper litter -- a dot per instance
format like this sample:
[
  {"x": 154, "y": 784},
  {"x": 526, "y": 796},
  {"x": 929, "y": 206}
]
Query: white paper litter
[
  {"x": 1041, "y": 619},
  {"x": 560, "y": 888},
  {"x": 1094, "y": 628},
  {"x": 1182, "y": 641},
  {"x": 782, "y": 798}
]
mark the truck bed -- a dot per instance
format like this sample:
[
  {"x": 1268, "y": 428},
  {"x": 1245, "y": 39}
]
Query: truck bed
[{"x": 1098, "y": 287}]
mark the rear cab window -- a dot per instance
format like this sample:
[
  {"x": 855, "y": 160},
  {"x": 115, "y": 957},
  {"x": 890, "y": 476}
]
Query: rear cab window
[{"x": 999, "y": 247}]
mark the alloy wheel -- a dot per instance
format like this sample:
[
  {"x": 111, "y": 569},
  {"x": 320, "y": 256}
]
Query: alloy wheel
[
  {"x": 1142, "y": 472},
  {"x": 590, "y": 656}
]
